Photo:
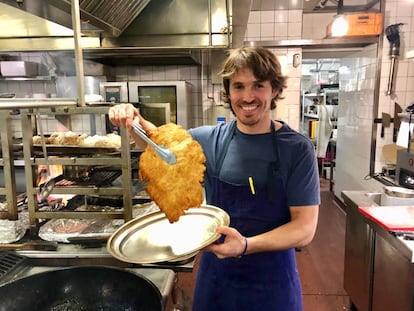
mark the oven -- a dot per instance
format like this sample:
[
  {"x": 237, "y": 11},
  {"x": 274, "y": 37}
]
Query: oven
[{"x": 153, "y": 98}]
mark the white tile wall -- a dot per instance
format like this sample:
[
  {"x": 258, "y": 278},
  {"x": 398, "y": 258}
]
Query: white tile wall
[
  {"x": 355, "y": 117},
  {"x": 396, "y": 11},
  {"x": 274, "y": 25}
]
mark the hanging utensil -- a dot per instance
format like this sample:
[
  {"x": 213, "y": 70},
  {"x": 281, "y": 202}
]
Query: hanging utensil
[
  {"x": 393, "y": 36},
  {"x": 397, "y": 121},
  {"x": 166, "y": 154},
  {"x": 386, "y": 121}
]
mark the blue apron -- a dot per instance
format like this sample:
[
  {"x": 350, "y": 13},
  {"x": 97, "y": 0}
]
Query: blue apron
[{"x": 266, "y": 281}]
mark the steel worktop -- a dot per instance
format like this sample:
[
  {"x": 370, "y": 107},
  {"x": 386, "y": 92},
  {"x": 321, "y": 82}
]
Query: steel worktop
[{"x": 378, "y": 267}]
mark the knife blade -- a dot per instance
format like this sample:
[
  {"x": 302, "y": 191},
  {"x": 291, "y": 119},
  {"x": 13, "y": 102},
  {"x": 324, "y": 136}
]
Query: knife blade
[{"x": 397, "y": 121}]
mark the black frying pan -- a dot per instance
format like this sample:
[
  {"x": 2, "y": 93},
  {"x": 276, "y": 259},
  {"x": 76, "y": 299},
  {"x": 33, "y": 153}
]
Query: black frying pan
[{"x": 81, "y": 288}]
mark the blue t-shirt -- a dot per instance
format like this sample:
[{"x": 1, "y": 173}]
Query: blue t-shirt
[{"x": 249, "y": 155}]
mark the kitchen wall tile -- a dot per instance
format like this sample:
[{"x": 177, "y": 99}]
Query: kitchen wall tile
[
  {"x": 294, "y": 84},
  {"x": 401, "y": 84},
  {"x": 281, "y": 31},
  {"x": 281, "y": 16},
  {"x": 145, "y": 73},
  {"x": 122, "y": 71},
  {"x": 314, "y": 25},
  {"x": 254, "y": 17},
  {"x": 402, "y": 70},
  {"x": 294, "y": 30},
  {"x": 404, "y": 8},
  {"x": 266, "y": 31},
  {"x": 391, "y": 9},
  {"x": 24, "y": 89},
  {"x": 295, "y": 16},
  {"x": 410, "y": 83},
  {"x": 37, "y": 87},
  {"x": 409, "y": 98},
  {"x": 253, "y": 31},
  {"x": 171, "y": 72},
  {"x": 194, "y": 72},
  {"x": 267, "y": 17},
  {"x": 184, "y": 73},
  {"x": 158, "y": 73},
  {"x": 410, "y": 72}
]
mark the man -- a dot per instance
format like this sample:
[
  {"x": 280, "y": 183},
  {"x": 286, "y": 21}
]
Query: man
[{"x": 265, "y": 175}]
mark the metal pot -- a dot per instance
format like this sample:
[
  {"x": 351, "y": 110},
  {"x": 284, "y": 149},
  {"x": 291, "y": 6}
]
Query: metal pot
[
  {"x": 81, "y": 288},
  {"x": 399, "y": 192}
]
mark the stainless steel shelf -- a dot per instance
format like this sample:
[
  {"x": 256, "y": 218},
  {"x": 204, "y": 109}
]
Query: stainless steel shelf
[{"x": 121, "y": 159}]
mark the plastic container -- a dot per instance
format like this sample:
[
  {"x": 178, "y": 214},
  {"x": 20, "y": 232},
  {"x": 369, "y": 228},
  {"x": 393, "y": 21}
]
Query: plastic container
[{"x": 19, "y": 69}]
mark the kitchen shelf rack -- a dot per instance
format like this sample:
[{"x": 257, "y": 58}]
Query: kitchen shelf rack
[
  {"x": 310, "y": 111},
  {"x": 121, "y": 159},
  {"x": 7, "y": 162}
]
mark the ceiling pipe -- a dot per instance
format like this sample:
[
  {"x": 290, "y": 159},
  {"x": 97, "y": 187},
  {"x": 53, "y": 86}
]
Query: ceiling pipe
[{"x": 78, "y": 52}]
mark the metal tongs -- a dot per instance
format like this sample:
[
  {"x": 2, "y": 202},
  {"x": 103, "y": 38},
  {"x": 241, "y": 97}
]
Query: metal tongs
[{"x": 166, "y": 154}]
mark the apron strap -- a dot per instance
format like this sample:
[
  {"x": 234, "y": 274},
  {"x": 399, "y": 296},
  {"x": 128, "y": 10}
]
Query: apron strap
[
  {"x": 226, "y": 142},
  {"x": 273, "y": 171}
]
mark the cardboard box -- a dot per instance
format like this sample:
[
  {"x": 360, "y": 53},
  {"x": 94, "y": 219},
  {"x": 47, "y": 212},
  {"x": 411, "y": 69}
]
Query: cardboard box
[{"x": 361, "y": 24}]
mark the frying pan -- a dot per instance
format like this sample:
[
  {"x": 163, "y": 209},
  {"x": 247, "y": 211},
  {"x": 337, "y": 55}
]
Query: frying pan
[{"x": 81, "y": 288}]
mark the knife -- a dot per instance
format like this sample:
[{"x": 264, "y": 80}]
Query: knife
[{"x": 397, "y": 121}]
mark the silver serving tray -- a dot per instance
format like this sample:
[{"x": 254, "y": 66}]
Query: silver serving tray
[{"x": 153, "y": 239}]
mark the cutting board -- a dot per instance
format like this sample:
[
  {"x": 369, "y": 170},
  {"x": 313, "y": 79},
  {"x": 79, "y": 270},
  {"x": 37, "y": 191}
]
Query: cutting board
[
  {"x": 390, "y": 152},
  {"x": 391, "y": 218}
]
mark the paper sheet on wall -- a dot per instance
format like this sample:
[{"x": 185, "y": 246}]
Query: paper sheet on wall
[{"x": 404, "y": 133}]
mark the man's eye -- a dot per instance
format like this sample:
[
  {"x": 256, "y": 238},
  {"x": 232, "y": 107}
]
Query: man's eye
[{"x": 259, "y": 86}]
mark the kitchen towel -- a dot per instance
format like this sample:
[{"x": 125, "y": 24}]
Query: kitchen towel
[{"x": 405, "y": 132}]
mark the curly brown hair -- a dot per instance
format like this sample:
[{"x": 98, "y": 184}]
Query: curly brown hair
[{"x": 262, "y": 62}]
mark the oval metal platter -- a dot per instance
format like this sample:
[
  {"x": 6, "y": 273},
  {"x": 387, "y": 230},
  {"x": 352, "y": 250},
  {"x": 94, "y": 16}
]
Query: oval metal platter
[{"x": 153, "y": 239}]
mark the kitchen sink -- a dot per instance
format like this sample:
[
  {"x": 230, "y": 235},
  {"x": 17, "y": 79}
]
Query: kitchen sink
[{"x": 374, "y": 196}]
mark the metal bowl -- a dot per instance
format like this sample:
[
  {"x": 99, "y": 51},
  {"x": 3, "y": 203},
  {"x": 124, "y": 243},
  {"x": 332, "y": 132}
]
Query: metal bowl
[{"x": 399, "y": 192}]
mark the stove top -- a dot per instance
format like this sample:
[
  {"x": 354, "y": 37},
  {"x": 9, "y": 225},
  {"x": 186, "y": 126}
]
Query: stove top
[{"x": 14, "y": 266}]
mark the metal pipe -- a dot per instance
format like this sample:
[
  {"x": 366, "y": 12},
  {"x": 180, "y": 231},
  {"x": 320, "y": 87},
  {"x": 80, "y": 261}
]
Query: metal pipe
[
  {"x": 21, "y": 103},
  {"x": 78, "y": 52},
  {"x": 229, "y": 27},
  {"x": 210, "y": 24}
]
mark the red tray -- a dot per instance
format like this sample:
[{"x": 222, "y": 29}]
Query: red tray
[{"x": 392, "y": 218}]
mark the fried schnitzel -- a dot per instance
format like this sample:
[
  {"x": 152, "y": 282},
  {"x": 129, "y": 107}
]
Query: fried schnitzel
[{"x": 173, "y": 187}]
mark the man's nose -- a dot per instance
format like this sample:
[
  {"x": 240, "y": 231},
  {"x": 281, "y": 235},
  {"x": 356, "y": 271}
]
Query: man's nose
[{"x": 248, "y": 95}]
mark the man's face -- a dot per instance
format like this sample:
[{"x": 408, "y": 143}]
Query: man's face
[{"x": 251, "y": 99}]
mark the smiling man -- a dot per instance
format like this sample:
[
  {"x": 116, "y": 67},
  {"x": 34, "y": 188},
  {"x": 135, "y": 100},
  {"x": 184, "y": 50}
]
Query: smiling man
[{"x": 265, "y": 176}]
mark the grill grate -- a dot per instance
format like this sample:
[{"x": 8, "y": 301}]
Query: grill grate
[
  {"x": 99, "y": 177},
  {"x": 8, "y": 262}
]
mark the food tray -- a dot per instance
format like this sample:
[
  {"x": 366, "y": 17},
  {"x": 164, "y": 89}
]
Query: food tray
[
  {"x": 153, "y": 239},
  {"x": 77, "y": 150}
]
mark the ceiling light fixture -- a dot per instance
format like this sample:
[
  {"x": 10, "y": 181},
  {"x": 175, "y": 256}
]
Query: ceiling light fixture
[{"x": 340, "y": 25}]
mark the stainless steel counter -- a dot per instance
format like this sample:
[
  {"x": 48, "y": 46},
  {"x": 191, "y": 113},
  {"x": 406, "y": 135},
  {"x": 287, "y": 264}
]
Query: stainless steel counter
[
  {"x": 355, "y": 199},
  {"x": 378, "y": 267},
  {"x": 73, "y": 254}
]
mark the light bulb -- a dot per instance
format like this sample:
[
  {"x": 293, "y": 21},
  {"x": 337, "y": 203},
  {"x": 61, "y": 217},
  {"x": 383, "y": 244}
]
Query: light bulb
[{"x": 339, "y": 26}]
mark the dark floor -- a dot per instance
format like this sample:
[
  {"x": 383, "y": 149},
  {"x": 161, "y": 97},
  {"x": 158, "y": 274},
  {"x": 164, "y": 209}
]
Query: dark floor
[{"x": 320, "y": 264}]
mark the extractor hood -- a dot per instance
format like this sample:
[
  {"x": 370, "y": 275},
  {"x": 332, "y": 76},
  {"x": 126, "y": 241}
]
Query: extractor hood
[{"x": 170, "y": 30}]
